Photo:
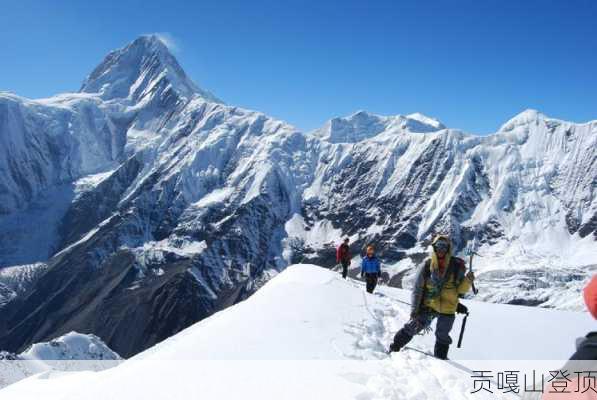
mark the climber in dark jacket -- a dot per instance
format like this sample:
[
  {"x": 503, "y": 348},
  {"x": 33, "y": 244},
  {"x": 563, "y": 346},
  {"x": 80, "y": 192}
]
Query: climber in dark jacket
[
  {"x": 370, "y": 268},
  {"x": 440, "y": 282},
  {"x": 343, "y": 257},
  {"x": 586, "y": 347},
  {"x": 583, "y": 362}
]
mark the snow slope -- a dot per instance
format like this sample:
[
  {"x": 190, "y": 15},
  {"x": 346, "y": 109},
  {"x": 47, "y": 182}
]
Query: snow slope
[{"x": 309, "y": 334}]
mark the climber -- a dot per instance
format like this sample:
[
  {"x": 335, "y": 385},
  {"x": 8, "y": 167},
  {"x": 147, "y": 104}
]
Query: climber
[
  {"x": 343, "y": 257},
  {"x": 439, "y": 283},
  {"x": 586, "y": 347},
  {"x": 370, "y": 268},
  {"x": 583, "y": 362}
]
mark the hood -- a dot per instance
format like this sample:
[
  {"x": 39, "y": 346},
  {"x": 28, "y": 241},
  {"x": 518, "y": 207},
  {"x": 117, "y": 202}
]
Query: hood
[{"x": 434, "y": 260}]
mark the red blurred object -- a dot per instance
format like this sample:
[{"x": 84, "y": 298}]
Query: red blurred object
[{"x": 590, "y": 293}]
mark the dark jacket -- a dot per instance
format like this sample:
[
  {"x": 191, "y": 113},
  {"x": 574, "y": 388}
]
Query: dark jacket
[
  {"x": 580, "y": 366},
  {"x": 586, "y": 348}
]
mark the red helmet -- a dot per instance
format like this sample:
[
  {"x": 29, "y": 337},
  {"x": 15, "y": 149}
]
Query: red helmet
[{"x": 590, "y": 293}]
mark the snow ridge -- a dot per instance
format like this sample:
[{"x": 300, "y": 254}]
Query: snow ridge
[{"x": 339, "y": 335}]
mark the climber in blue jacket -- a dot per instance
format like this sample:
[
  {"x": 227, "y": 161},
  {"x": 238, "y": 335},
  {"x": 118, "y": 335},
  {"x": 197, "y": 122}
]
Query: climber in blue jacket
[{"x": 370, "y": 268}]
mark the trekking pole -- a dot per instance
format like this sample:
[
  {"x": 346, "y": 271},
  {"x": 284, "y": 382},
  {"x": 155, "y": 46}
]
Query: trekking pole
[{"x": 462, "y": 329}]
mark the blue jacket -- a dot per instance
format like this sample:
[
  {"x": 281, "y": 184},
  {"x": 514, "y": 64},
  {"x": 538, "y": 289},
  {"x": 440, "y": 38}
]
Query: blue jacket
[{"x": 370, "y": 265}]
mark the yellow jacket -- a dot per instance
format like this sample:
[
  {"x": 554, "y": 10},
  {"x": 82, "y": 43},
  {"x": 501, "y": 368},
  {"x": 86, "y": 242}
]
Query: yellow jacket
[{"x": 448, "y": 298}]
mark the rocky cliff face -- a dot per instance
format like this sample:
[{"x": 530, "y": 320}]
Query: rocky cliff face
[{"x": 145, "y": 204}]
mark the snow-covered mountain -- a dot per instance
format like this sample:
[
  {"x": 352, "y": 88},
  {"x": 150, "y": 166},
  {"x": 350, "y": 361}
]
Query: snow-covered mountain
[
  {"x": 72, "y": 346},
  {"x": 183, "y": 216},
  {"x": 18, "y": 279},
  {"x": 142, "y": 203},
  {"x": 526, "y": 193},
  {"x": 70, "y": 352},
  {"x": 310, "y": 334},
  {"x": 363, "y": 125},
  {"x": 143, "y": 70}
]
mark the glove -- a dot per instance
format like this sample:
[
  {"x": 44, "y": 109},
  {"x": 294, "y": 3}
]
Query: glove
[
  {"x": 461, "y": 309},
  {"x": 414, "y": 315},
  {"x": 470, "y": 275}
]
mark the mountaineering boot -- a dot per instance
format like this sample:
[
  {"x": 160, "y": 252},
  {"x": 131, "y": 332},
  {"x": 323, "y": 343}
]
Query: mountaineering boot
[
  {"x": 441, "y": 350},
  {"x": 400, "y": 340}
]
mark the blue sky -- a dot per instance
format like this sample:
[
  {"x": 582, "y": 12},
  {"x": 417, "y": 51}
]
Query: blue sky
[{"x": 471, "y": 64}]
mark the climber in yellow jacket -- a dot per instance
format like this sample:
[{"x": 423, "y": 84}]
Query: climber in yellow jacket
[{"x": 439, "y": 283}]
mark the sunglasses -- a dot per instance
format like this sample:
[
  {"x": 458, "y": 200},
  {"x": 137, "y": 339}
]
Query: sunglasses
[{"x": 441, "y": 246}]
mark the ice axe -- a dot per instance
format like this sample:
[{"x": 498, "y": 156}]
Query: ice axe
[
  {"x": 462, "y": 309},
  {"x": 471, "y": 250}
]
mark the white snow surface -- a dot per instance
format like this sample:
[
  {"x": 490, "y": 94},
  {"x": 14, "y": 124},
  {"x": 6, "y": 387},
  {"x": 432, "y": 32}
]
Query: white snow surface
[
  {"x": 71, "y": 346},
  {"x": 310, "y": 334}
]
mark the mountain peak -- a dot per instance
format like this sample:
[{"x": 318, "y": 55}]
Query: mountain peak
[
  {"x": 151, "y": 40},
  {"x": 527, "y": 116},
  {"x": 427, "y": 121},
  {"x": 363, "y": 125},
  {"x": 353, "y": 128},
  {"x": 143, "y": 67}
]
